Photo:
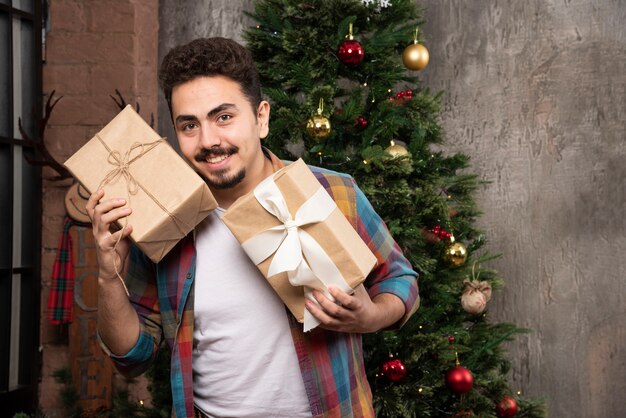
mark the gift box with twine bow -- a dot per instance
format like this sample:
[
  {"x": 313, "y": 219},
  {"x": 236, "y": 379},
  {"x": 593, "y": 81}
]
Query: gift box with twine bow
[{"x": 128, "y": 159}]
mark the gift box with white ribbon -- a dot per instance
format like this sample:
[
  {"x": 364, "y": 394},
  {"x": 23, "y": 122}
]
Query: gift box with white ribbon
[{"x": 300, "y": 240}]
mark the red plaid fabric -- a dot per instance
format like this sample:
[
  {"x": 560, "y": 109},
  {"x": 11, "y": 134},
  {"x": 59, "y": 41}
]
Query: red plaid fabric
[{"x": 61, "y": 295}]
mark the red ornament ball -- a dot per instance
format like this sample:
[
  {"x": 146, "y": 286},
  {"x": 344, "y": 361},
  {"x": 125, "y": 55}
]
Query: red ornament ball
[
  {"x": 507, "y": 407},
  {"x": 451, "y": 339},
  {"x": 393, "y": 369},
  {"x": 361, "y": 122},
  {"x": 350, "y": 52},
  {"x": 459, "y": 380}
]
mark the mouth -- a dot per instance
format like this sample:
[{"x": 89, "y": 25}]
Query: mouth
[
  {"x": 215, "y": 156},
  {"x": 216, "y": 159}
]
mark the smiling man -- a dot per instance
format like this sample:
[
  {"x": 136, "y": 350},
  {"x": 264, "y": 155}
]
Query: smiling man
[
  {"x": 219, "y": 131},
  {"x": 236, "y": 349}
]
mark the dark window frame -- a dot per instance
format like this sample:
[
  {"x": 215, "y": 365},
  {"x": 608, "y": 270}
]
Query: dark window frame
[{"x": 23, "y": 397}]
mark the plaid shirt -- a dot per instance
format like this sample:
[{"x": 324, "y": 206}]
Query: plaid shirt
[{"x": 331, "y": 363}]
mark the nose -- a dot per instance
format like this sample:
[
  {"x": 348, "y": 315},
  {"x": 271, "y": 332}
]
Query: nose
[{"x": 209, "y": 137}]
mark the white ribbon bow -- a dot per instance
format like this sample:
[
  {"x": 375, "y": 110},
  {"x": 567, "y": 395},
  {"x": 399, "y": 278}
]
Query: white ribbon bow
[{"x": 295, "y": 251}]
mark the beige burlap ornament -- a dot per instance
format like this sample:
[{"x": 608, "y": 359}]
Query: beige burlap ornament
[{"x": 475, "y": 296}]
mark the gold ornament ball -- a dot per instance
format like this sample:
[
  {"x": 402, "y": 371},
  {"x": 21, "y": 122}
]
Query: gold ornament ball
[
  {"x": 397, "y": 151},
  {"x": 415, "y": 57},
  {"x": 318, "y": 127},
  {"x": 455, "y": 254}
]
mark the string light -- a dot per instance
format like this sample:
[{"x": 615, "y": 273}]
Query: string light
[
  {"x": 364, "y": 161},
  {"x": 141, "y": 402},
  {"x": 420, "y": 390}
]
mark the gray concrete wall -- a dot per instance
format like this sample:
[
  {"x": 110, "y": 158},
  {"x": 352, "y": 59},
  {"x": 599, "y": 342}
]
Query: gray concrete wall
[
  {"x": 535, "y": 92},
  {"x": 183, "y": 21}
]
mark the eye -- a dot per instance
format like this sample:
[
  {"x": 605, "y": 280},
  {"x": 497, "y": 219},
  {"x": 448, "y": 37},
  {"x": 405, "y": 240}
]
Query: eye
[
  {"x": 188, "y": 126},
  {"x": 224, "y": 118}
]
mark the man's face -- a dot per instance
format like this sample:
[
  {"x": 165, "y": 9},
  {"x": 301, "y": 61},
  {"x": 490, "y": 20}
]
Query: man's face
[{"x": 219, "y": 133}]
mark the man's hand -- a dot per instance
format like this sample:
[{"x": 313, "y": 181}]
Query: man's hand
[
  {"x": 355, "y": 313},
  {"x": 118, "y": 323},
  {"x": 112, "y": 248}
]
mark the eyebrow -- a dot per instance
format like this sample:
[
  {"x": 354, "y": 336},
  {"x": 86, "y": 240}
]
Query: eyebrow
[{"x": 210, "y": 114}]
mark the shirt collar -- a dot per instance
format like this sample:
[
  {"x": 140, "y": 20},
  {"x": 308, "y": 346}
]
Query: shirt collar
[{"x": 277, "y": 164}]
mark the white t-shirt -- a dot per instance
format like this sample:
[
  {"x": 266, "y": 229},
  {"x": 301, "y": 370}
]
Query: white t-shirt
[{"x": 244, "y": 359}]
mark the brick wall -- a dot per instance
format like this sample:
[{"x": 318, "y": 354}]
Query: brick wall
[{"x": 92, "y": 49}]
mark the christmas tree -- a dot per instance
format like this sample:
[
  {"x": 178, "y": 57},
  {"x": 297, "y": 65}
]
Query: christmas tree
[{"x": 342, "y": 79}]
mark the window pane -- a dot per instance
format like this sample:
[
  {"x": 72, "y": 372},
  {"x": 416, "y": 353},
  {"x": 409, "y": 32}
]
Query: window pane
[
  {"x": 14, "y": 349},
  {"x": 29, "y": 213},
  {"x": 6, "y": 205},
  {"x": 28, "y": 77},
  {"x": 5, "y": 67},
  {"x": 5, "y": 327},
  {"x": 17, "y": 206},
  {"x": 24, "y": 5},
  {"x": 23, "y": 77},
  {"x": 28, "y": 328}
]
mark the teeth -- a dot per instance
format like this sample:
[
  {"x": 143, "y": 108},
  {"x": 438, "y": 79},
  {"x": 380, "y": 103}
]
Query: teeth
[{"x": 216, "y": 159}]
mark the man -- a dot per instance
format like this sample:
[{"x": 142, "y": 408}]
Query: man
[{"x": 236, "y": 350}]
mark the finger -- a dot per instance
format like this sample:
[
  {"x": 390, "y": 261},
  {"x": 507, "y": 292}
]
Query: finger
[
  {"x": 93, "y": 201},
  {"x": 317, "y": 311},
  {"x": 329, "y": 306},
  {"x": 108, "y": 212},
  {"x": 118, "y": 237},
  {"x": 124, "y": 231},
  {"x": 342, "y": 298},
  {"x": 117, "y": 242},
  {"x": 109, "y": 218},
  {"x": 108, "y": 205}
]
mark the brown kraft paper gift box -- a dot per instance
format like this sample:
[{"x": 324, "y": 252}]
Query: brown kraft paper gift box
[
  {"x": 247, "y": 217},
  {"x": 128, "y": 159}
]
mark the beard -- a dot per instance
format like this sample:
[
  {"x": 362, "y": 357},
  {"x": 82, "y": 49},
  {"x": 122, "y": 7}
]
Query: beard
[{"x": 220, "y": 179}]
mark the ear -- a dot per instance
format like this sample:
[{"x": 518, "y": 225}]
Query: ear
[{"x": 263, "y": 119}]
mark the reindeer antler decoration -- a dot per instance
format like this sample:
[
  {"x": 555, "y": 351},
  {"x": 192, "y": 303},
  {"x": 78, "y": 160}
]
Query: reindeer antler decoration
[
  {"x": 40, "y": 144},
  {"x": 121, "y": 103}
]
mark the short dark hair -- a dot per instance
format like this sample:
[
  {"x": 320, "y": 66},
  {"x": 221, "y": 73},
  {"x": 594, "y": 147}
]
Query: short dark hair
[{"x": 206, "y": 57}]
